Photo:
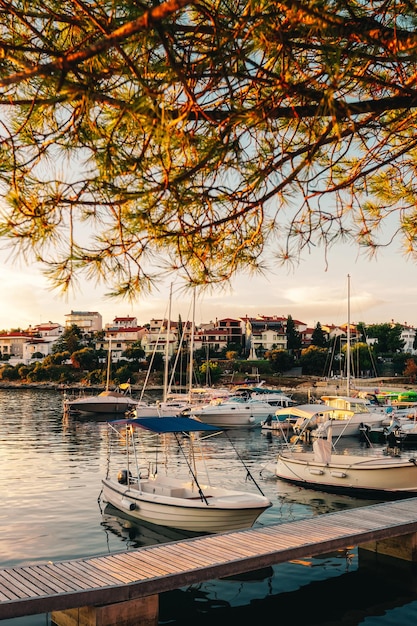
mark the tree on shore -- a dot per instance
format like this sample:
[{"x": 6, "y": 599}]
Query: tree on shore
[{"x": 143, "y": 139}]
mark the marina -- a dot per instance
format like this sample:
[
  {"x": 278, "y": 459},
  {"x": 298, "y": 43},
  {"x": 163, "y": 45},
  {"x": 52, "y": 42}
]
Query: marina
[{"x": 51, "y": 471}]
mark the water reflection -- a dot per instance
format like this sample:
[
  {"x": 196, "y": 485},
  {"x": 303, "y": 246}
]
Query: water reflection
[{"x": 136, "y": 534}]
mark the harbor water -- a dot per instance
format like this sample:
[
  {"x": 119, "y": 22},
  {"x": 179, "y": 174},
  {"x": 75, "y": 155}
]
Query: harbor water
[{"x": 51, "y": 468}]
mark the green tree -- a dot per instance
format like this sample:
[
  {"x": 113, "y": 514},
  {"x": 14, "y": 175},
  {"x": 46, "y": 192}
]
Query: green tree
[
  {"x": 362, "y": 360},
  {"x": 388, "y": 337},
  {"x": 293, "y": 337},
  {"x": 280, "y": 360},
  {"x": 318, "y": 337},
  {"x": 198, "y": 134},
  {"x": 70, "y": 340},
  {"x": 210, "y": 372},
  {"x": 84, "y": 359},
  {"x": 313, "y": 360},
  {"x": 135, "y": 352},
  {"x": 157, "y": 362},
  {"x": 56, "y": 358}
]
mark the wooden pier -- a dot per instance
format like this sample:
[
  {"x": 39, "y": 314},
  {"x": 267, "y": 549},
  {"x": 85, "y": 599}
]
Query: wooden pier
[{"x": 123, "y": 587}]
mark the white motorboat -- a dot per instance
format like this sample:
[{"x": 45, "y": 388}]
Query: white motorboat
[
  {"x": 170, "y": 408},
  {"x": 357, "y": 475},
  {"x": 117, "y": 401},
  {"x": 182, "y": 502},
  {"x": 234, "y": 413},
  {"x": 177, "y": 404},
  {"x": 352, "y": 413},
  {"x": 315, "y": 422},
  {"x": 274, "y": 397}
]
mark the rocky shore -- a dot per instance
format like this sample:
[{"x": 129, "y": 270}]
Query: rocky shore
[{"x": 287, "y": 384}]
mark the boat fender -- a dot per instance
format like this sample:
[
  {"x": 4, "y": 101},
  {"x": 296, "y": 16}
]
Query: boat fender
[
  {"x": 127, "y": 504},
  {"x": 122, "y": 476},
  {"x": 413, "y": 461}
]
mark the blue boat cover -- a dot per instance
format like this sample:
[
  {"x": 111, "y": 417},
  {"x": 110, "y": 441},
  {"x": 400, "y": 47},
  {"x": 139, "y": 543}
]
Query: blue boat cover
[{"x": 167, "y": 424}]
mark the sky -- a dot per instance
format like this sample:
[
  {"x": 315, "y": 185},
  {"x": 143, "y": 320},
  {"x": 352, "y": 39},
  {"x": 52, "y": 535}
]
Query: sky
[{"x": 381, "y": 290}]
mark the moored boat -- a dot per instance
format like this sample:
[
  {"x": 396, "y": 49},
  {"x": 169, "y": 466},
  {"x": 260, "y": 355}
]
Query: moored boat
[
  {"x": 371, "y": 476},
  {"x": 108, "y": 401},
  {"x": 234, "y": 413},
  {"x": 185, "y": 503}
]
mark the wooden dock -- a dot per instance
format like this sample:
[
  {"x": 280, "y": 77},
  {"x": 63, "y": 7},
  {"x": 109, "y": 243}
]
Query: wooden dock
[{"x": 128, "y": 576}]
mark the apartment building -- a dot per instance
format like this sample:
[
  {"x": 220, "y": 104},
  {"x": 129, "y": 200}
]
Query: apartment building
[{"x": 89, "y": 321}]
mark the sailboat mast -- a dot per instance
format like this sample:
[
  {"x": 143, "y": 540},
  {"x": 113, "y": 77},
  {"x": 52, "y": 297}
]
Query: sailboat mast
[
  {"x": 108, "y": 366},
  {"x": 190, "y": 381},
  {"x": 348, "y": 341},
  {"x": 168, "y": 334}
]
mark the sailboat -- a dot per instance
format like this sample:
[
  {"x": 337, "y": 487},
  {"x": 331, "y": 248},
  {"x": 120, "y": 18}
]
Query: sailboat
[
  {"x": 375, "y": 475},
  {"x": 170, "y": 405},
  {"x": 351, "y": 413},
  {"x": 108, "y": 401}
]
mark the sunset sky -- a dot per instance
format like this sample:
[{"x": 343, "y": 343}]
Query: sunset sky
[{"x": 381, "y": 290}]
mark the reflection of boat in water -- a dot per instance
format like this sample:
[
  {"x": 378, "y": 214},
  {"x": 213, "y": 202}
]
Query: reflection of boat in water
[{"x": 137, "y": 533}]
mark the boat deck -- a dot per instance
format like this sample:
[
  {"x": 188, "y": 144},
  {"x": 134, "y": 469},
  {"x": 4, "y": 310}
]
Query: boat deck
[{"x": 117, "y": 577}]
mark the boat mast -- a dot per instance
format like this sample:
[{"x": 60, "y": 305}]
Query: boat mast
[
  {"x": 348, "y": 341},
  {"x": 190, "y": 381},
  {"x": 168, "y": 333},
  {"x": 108, "y": 366}
]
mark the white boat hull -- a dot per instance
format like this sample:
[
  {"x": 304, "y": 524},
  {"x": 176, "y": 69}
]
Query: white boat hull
[
  {"x": 234, "y": 415},
  {"x": 177, "y": 504},
  {"x": 160, "y": 409},
  {"x": 351, "y": 474},
  {"x": 350, "y": 427}
]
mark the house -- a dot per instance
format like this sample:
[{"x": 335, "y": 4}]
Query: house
[
  {"x": 89, "y": 321},
  {"x": 264, "y": 333},
  {"x": 43, "y": 338}
]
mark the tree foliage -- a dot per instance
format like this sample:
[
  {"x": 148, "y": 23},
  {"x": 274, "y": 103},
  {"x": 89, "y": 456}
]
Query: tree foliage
[
  {"x": 140, "y": 139},
  {"x": 313, "y": 360},
  {"x": 318, "y": 336},
  {"x": 281, "y": 360},
  {"x": 69, "y": 341},
  {"x": 388, "y": 337},
  {"x": 293, "y": 337}
]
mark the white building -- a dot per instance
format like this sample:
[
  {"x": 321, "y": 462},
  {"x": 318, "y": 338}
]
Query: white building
[{"x": 408, "y": 335}]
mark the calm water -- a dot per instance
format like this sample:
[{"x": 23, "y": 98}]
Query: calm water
[{"x": 50, "y": 478}]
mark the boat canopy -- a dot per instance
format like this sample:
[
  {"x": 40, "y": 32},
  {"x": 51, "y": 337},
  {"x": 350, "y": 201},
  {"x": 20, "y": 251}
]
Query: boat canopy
[
  {"x": 308, "y": 411},
  {"x": 167, "y": 424}
]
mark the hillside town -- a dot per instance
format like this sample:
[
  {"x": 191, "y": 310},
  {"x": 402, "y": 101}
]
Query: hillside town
[{"x": 254, "y": 335}]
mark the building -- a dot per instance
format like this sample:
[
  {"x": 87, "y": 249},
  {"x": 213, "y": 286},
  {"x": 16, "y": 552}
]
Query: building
[
  {"x": 43, "y": 338},
  {"x": 119, "y": 338},
  {"x": 264, "y": 333},
  {"x": 89, "y": 321},
  {"x": 408, "y": 335},
  {"x": 12, "y": 343}
]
